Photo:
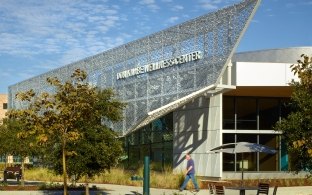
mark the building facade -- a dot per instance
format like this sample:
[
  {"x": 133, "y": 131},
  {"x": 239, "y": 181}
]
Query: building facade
[
  {"x": 186, "y": 92},
  {"x": 3, "y": 109},
  {"x": 3, "y": 105},
  {"x": 247, "y": 113}
]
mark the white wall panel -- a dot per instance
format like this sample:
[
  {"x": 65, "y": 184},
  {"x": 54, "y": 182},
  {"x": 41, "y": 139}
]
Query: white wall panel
[
  {"x": 263, "y": 74},
  {"x": 196, "y": 130}
]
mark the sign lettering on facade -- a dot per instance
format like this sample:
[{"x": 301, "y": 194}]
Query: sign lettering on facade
[{"x": 160, "y": 65}]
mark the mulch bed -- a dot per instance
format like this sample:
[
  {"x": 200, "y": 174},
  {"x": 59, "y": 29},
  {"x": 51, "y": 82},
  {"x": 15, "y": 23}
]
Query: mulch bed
[
  {"x": 18, "y": 188},
  {"x": 35, "y": 188}
]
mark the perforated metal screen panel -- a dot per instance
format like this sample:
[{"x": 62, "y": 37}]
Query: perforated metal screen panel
[{"x": 158, "y": 69}]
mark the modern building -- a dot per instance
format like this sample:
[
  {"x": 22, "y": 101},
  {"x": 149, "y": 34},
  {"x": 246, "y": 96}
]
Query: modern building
[
  {"x": 3, "y": 105},
  {"x": 186, "y": 92},
  {"x": 3, "y": 110}
]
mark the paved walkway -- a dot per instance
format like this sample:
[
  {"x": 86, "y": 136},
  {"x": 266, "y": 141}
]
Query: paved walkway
[
  {"x": 108, "y": 189},
  {"x": 129, "y": 190}
]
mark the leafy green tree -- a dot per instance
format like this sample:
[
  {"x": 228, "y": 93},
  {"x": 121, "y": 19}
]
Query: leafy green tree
[
  {"x": 97, "y": 150},
  {"x": 61, "y": 119},
  {"x": 14, "y": 143},
  {"x": 6, "y": 143},
  {"x": 297, "y": 127}
]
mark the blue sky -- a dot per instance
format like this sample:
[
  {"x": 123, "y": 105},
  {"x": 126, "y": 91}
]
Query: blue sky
[{"x": 38, "y": 36}]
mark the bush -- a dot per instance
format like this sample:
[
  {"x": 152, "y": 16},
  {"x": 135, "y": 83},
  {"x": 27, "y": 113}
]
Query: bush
[{"x": 159, "y": 179}]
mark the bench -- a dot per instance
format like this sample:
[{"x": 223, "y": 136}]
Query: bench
[
  {"x": 12, "y": 173},
  {"x": 212, "y": 183}
]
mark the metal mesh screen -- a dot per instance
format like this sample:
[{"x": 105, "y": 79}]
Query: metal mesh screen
[{"x": 214, "y": 35}]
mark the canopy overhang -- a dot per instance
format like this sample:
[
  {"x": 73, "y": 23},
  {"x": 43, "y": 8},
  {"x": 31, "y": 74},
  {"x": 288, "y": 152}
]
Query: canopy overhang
[{"x": 208, "y": 91}]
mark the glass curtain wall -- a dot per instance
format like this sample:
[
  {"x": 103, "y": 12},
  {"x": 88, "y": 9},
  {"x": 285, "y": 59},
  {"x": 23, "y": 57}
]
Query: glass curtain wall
[
  {"x": 153, "y": 140},
  {"x": 249, "y": 115}
]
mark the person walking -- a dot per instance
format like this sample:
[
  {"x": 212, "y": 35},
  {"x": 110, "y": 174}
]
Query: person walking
[{"x": 190, "y": 173}]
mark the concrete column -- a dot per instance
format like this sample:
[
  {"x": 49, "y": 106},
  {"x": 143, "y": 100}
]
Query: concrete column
[{"x": 197, "y": 128}]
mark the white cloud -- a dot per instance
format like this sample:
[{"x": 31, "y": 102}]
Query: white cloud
[
  {"x": 47, "y": 65},
  {"x": 43, "y": 35},
  {"x": 172, "y": 20},
  {"x": 208, "y": 6},
  {"x": 177, "y": 8},
  {"x": 16, "y": 44},
  {"x": 25, "y": 75},
  {"x": 255, "y": 21},
  {"x": 72, "y": 55},
  {"x": 52, "y": 26},
  {"x": 147, "y": 2},
  {"x": 150, "y": 4},
  {"x": 215, "y": 4},
  {"x": 5, "y": 74},
  {"x": 106, "y": 24},
  {"x": 290, "y": 5}
]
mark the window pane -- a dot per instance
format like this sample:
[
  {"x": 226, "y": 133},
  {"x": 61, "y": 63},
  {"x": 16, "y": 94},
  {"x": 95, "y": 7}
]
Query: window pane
[
  {"x": 268, "y": 113},
  {"x": 5, "y": 106},
  {"x": 144, "y": 151},
  {"x": 246, "y": 113},
  {"x": 145, "y": 135},
  {"x": 284, "y": 156},
  {"x": 154, "y": 140},
  {"x": 248, "y": 161},
  {"x": 268, "y": 162},
  {"x": 134, "y": 138},
  {"x": 228, "y": 159},
  {"x": 228, "y": 113},
  {"x": 157, "y": 153}
]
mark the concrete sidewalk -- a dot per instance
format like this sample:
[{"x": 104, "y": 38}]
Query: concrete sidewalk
[
  {"x": 130, "y": 190},
  {"x": 109, "y": 189}
]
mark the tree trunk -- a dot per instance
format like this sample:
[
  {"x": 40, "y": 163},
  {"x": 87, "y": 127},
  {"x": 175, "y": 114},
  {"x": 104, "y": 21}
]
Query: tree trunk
[
  {"x": 6, "y": 160},
  {"x": 23, "y": 172},
  {"x": 87, "y": 186},
  {"x": 64, "y": 167}
]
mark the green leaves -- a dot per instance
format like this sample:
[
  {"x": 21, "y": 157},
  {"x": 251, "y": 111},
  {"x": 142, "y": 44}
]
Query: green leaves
[
  {"x": 297, "y": 127},
  {"x": 68, "y": 123},
  {"x": 304, "y": 71}
]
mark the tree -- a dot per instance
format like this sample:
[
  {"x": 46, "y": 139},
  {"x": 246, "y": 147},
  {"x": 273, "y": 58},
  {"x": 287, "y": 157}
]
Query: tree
[
  {"x": 297, "y": 127},
  {"x": 97, "y": 150},
  {"x": 14, "y": 143},
  {"x": 62, "y": 118},
  {"x": 5, "y": 140}
]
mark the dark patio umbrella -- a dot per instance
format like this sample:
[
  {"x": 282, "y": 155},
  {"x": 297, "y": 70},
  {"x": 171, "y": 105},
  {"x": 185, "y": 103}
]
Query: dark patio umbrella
[{"x": 242, "y": 147}]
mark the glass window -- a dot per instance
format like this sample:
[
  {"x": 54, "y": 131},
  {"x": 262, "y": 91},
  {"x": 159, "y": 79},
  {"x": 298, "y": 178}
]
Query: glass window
[
  {"x": 246, "y": 113},
  {"x": 134, "y": 138},
  {"x": 157, "y": 136},
  {"x": 134, "y": 156},
  {"x": 246, "y": 161},
  {"x": 3, "y": 158},
  {"x": 145, "y": 135},
  {"x": 228, "y": 159},
  {"x": 154, "y": 140},
  {"x": 268, "y": 162},
  {"x": 145, "y": 151},
  {"x": 168, "y": 153},
  {"x": 5, "y": 106},
  {"x": 228, "y": 112},
  {"x": 268, "y": 113},
  {"x": 16, "y": 159},
  {"x": 284, "y": 156},
  {"x": 157, "y": 152}
]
